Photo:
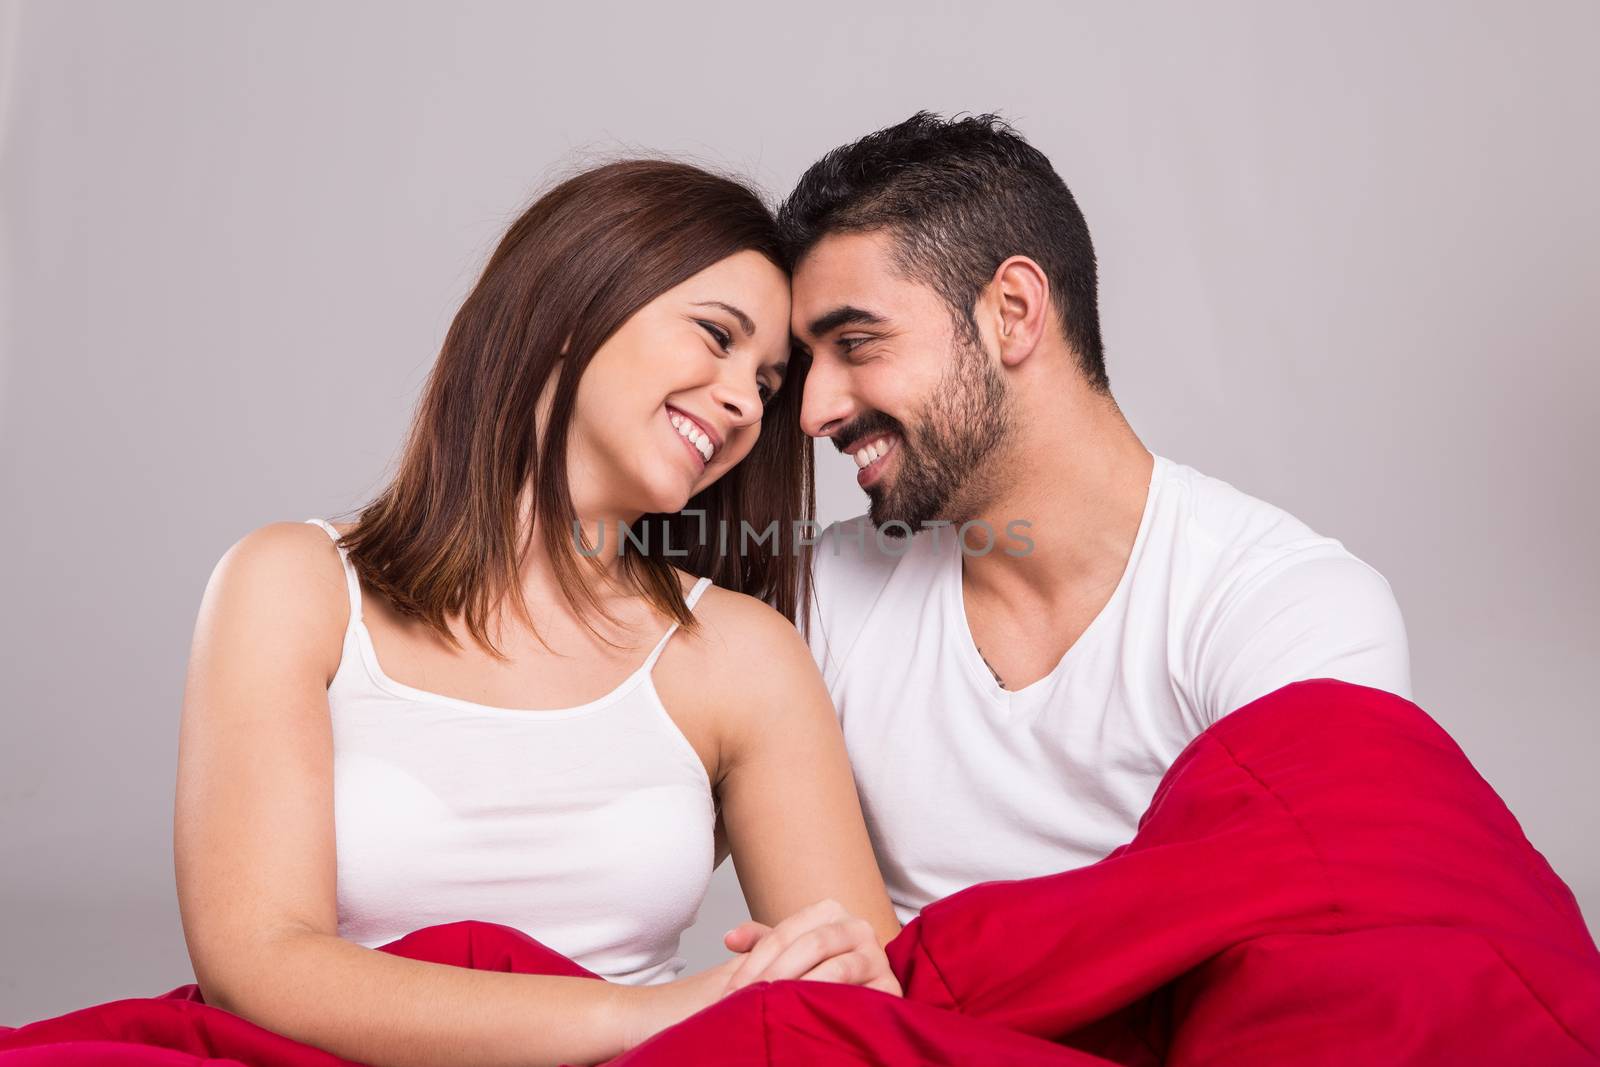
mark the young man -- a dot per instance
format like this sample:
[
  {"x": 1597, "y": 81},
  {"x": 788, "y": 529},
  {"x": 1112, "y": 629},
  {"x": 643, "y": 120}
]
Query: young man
[{"x": 1036, "y": 615}]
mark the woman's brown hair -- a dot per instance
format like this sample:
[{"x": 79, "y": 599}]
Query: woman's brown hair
[{"x": 441, "y": 539}]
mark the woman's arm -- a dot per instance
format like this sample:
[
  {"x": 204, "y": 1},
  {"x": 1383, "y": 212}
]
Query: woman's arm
[
  {"x": 254, "y": 853},
  {"x": 789, "y": 804}
]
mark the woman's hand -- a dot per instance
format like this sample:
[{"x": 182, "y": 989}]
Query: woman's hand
[
  {"x": 821, "y": 943},
  {"x": 647, "y": 1010}
]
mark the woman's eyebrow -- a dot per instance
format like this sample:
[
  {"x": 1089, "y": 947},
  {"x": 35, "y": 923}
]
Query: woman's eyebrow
[{"x": 745, "y": 321}]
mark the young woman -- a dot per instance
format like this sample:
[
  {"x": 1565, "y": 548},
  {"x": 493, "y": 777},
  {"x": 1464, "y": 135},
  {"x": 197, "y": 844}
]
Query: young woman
[{"x": 477, "y": 701}]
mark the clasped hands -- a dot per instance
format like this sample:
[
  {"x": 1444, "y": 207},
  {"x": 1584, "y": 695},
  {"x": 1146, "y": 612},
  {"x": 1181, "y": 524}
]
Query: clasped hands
[{"x": 821, "y": 943}]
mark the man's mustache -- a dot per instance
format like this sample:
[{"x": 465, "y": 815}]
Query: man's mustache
[{"x": 865, "y": 426}]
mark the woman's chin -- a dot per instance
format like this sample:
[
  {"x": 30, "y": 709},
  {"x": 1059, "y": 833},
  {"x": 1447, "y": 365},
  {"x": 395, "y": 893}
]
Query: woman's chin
[
  {"x": 667, "y": 499},
  {"x": 667, "y": 487}
]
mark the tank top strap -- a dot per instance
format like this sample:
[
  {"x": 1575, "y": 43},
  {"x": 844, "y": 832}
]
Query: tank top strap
[
  {"x": 351, "y": 581},
  {"x": 694, "y": 595}
]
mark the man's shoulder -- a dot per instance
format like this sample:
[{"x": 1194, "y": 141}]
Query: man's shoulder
[
  {"x": 1267, "y": 600},
  {"x": 1232, "y": 536},
  {"x": 1227, "y": 545},
  {"x": 852, "y": 563},
  {"x": 1230, "y": 518}
]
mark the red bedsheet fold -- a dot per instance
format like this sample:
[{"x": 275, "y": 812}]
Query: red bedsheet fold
[{"x": 1322, "y": 877}]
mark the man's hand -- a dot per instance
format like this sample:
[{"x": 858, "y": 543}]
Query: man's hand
[{"x": 822, "y": 943}]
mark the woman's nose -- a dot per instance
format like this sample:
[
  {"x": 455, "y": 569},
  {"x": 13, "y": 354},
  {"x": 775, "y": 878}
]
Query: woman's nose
[{"x": 741, "y": 401}]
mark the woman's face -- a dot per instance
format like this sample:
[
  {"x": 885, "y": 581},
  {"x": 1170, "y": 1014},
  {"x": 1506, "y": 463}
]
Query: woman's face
[{"x": 673, "y": 400}]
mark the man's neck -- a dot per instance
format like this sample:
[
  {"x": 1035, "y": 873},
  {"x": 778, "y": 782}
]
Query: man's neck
[{"x": 1080, "y": 477}]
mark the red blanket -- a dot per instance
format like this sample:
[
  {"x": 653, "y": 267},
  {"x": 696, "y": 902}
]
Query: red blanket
[{"x": 1321, "y": 878}]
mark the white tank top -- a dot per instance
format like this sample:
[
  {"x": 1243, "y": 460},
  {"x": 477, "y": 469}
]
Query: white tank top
[{"x": 589, "y": 828}]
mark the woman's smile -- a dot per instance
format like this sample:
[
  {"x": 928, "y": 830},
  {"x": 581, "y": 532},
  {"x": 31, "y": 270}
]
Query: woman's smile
[{"x": 700, "y": 441}]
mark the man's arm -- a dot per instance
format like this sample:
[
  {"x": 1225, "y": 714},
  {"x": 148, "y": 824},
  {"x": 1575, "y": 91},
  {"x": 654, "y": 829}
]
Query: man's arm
[{"x": 1325, "y": 617}]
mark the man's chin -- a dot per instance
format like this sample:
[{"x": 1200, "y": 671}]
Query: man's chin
[
  {"x": 885, "y": 509},
  {"x": 892, "y": 521}
]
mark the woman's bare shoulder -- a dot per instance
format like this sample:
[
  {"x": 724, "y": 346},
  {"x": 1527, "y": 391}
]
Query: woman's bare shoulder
[
  {"x": 300, "y": 552},
  {"x": 741, "y": 617},
  {"x": 746, "y": 644},
  {"x": 285, "y": 580}
]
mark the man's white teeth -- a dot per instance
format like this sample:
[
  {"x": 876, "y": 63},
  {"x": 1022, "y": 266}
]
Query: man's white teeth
[
  {"x": 691, "y": 432},
  {"x": 871, "y": 452}
]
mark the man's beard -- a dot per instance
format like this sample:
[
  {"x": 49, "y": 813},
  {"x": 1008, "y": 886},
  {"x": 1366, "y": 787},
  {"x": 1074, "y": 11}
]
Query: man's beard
[{"x": 942, "y": 452}]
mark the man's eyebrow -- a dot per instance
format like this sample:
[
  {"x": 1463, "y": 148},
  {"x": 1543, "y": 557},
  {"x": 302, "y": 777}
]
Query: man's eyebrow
[
  {"x": 843, "y": 316},
  {"x": 745, "y": 321}
]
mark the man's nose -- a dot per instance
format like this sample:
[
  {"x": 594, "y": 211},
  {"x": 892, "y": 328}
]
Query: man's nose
[{"x": 826, "y": 404}]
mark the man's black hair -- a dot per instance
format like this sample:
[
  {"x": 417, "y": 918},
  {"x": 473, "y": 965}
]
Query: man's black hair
[{"x": 959, "y": 196}]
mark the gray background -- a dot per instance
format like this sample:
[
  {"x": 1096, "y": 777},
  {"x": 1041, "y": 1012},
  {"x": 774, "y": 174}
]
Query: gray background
[{"x": 1350, "y": 263}]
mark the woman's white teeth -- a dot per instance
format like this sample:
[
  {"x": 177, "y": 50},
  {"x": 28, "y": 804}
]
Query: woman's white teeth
[
  {"x": 689, "y": 431},
  {"x": 872, "y": 452}
]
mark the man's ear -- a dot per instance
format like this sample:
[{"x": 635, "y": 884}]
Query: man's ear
[{"x": 1019, "y": 303}]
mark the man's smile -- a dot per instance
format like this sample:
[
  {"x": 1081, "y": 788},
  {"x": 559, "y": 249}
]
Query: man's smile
[{"x": 870, "y": 454}]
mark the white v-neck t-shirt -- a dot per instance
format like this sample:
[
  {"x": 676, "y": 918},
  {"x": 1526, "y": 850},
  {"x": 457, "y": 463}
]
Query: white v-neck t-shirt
[{"x": 1224, "y": 599}]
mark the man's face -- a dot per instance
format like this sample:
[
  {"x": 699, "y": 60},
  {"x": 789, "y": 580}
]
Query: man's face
[{"x": 896, "y": 385}]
